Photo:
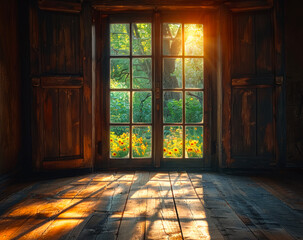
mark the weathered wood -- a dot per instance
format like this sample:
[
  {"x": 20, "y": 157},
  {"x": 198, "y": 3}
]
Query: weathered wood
[
  {"x": 225, "y": 218},
  {"x": 243, "y": 44},
  {"x": 161, "y": 220},
  {"x": 279, "y": 55},
  {"x": 86, "y": 54},
  {"x": 243, "y": 132},
  {"x": 134, "y": 216},
  {"x": 51, "y": 123},
  {"x": 60, "y": 6},
  {"x": 62, "y": 82},
  {"x": 264, "y": 43},
  {"x": 250, "y": 81},
  {"x": 226, "y": 26},
  {"x": 191, "y": 213},
  {"x": 63, "y": 163},
  {"x": 265, "y": 119},
  {"x": 153, "y": 206},
  {"x": 60, "y": 45},
  {"x": 258, "y": 209},
  {"x": 105, "y": 221},
  {"x": 70, "y": 122}
]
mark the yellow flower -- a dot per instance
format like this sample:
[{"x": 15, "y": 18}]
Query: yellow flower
[
  {"x": 111, "y": 140},
  {"x": 164, "y": 150},
  {"x": 169, "y": 153},
  {"x": 124, "y": 149},
  {"x": 114, "y": 154},
  {"x": 143, "y": 147},
  {"x": 118, "y": 149},
  {"x": 176, "y": 150}
]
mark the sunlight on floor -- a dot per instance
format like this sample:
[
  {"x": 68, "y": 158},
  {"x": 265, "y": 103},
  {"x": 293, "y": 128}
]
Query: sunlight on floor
[{"x": 157, "y": 205}]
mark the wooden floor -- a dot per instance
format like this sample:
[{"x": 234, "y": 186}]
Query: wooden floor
[{"x": 151, "y": 205}]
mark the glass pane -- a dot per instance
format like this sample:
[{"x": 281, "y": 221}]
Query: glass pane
[
  {"x": 193, "y": 37},
  {"x": 119, "y": 107},
  {"x": 142, "y": 142},
  {"x": 142, "y": 73},
  {"x": 193, "y": 72},
  {"x": 172, "y": 141},
  {"x": 172, "y": 110},
  {"x": 172, "y": 73},
  {"x": 119, "y": 142},
  {"x": 194, "y": 107},
  {"x": 119, "y": 39},
  {"x": 142, "y": 107},
  {"x": 119, "y": 73},
  {"x": 172, "y": 39},
  {"x": 194, "y": 142},
  {"x": 141, "y": 38}
]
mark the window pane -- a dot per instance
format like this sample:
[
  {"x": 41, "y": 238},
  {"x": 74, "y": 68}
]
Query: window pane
[
  {"x": 142, "y": 107},
  {"x": 172, "y": 110},
  {"x": 119, "y": 142},
  {"x": 194, "y": 107},
  {"x": 119, "y": 107},
  {"x": 172, "y": 73},
  {"x": 194, "y": 73},
  {"x": 141, "y": 38},
  {"x": 194, "y": 142},
  {"x": 172, "y": 39},
  {"x": 172, "y": 141},
  {"x": 119, "y": 73},
  {"x": 193, "y": 34},
  {"x": 142, "y": 73},
  {"x": 119, "y": 39},
  {"x": 142, "y": 142}
]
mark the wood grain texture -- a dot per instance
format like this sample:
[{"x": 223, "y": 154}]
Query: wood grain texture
[
  {"x": 10, "y": 89},
  {"x": 153, "y": 205},
  {"x": 60, "y": 43},
  {"x": 60, "y": 6}
]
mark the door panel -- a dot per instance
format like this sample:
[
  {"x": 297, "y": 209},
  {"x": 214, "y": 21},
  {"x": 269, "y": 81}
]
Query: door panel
[
  {"x": 253, "y": 92},
  {"x": 61, "y": 86}
]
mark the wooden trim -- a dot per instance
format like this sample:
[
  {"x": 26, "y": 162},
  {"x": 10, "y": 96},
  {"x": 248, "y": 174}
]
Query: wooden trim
[
  {"x": 67, "y": 164},
  {"x": 60, "y": 6},
  {"x": 86, "y": 53},
  {"x": 246, "y": 6},
  {"x": 253, "y": 81},
  {"x": 280, "y": 96},
  {"x": 226, "y": 29},
  {"x": 36, "y": 82},
  {"x": 62, "y": 82}
]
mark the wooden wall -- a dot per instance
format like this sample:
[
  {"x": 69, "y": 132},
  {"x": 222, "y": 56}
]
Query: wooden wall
[
  {"x": 10, "y": 88},
  {"x": 294, "y": 81}
]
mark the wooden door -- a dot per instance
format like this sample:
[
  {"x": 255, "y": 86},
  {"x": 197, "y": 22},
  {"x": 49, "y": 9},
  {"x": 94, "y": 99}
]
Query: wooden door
[
  {"x": 253, "y": 124},
  {"x": 60, "y": 41}
]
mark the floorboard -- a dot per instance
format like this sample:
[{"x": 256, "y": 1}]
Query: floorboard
[{"x": 153, "y": 205}]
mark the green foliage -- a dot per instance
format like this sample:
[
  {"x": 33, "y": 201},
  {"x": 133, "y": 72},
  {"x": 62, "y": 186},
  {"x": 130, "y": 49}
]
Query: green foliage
[
  {"x": 194, "y": 107},
  {"x": 142, "y": 107},
  {"x": 119, "y": 107},
  {"x": 173, "y": 111},
  {"x": 119, "y": 39}
]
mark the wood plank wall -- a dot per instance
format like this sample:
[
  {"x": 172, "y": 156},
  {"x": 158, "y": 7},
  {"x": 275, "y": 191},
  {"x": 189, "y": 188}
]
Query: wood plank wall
[
  {"x": 294, "y": 82},
  {"x": 10, "y": 88}
]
